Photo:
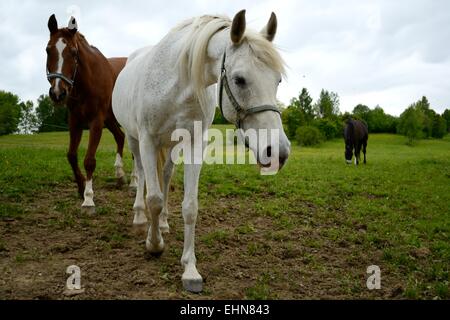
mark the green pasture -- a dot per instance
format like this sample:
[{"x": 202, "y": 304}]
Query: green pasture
[{"x": 394, "y": 211}]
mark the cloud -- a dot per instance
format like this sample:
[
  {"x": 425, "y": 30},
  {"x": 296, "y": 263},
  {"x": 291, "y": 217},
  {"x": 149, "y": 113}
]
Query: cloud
[{"x": 372, "y": 52}]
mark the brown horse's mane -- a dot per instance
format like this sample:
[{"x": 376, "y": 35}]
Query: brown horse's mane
[{"x": 81, "y": 39}]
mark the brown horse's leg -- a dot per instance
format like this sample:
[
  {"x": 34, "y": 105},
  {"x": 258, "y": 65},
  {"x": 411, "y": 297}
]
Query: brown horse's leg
[
  {"x": 76, "y": 131},
  {"x": 119, "y": 136},
  {"x": 364, "y": 150},
  {"x": 358, "y": 152},
  {"x": 95, "y": 133}
]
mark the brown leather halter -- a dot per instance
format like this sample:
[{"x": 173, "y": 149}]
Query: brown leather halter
[
  {"x": 241, "y": 113},
  {"x": 56, "y": 75}
]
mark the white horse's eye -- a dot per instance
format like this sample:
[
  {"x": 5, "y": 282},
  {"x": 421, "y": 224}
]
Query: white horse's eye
[{"x": 240, "y": 81}]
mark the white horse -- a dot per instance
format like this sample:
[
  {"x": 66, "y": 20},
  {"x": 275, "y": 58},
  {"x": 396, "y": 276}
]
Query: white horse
[{"x": 170, "y": 86}]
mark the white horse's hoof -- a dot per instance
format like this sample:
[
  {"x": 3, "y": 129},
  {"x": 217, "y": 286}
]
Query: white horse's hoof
[
  {"x": 192, "y": 284},
  {"x": 164, "y": 228},
  {"x": 132, "y": 191},
  {"x": 155, "y": 249},
  {"x": 140, "y": 217},
  {"x": 89, "y": 210},
  {"x": 133, "y": 184},
  {"x": 140, "y": 228},
  {"x": 163, "y": 225},
  {"x": 121, "y": 181}
]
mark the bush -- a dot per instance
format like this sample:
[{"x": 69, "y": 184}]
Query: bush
[
  {"x": 411, "y": 124},
  {"x": 328, "y": 128},
  {"x": 308, "y": 136}
]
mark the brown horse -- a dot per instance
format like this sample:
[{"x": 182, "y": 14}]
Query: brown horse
[
  {"x": 83, "y": 79},
  {"x": 356, "y": 135}
]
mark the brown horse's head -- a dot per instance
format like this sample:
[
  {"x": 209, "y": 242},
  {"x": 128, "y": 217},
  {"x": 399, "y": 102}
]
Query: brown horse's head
[{"x": 62, "y": 59}]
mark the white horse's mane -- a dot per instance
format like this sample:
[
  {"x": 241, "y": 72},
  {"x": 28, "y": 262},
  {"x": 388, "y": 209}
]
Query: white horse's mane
[{"x": 193, "y": 55}]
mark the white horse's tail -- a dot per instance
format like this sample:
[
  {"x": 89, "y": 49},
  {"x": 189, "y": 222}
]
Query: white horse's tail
[{"x": 162, "y": 157}]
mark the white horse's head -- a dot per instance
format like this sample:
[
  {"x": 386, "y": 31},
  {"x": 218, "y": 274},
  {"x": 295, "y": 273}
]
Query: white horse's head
[{"x": 252, "y": 70}]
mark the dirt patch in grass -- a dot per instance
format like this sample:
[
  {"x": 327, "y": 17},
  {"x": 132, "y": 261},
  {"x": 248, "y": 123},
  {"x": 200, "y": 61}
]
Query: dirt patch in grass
[{"x": 241, "y": 252}]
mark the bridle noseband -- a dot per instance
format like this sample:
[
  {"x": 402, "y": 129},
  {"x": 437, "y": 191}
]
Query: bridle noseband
[
  {"x": 56, "y": 75},
  {"x": 241, "y": 113}
]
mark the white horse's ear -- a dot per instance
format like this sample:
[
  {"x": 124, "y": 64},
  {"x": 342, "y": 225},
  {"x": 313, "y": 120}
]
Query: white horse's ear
[
  {"x": 270, "y": 29},
  {"x": 52, "y": 24},
  {"x": 73, "y": 26},
  {"x": 238, "y": 27}
]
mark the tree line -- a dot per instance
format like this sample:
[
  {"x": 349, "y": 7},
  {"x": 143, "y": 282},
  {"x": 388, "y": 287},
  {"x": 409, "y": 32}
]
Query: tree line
[
  {"x": 311, "y": 123},
  {"x": 305, "y": 121},
  {"x": 22, "y": 117}
]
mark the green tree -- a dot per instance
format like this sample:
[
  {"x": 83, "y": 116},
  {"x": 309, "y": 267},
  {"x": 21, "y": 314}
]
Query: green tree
[
  {"x": 292, "y": 118},
  {"x": 377, "y": 120},
  {"x": 411, "y": 123},
  {"x": 427, "y": 116},
  {"x": 9, "y": 113},
  {"x": 328, "y": 104},
  {"x": 361, "y": 112},
  {"x": 439, "y": 127},
  {"x": 300, "y": 112},
  {"x": 51, "y": 117},
  {"x": 28, "y": 120},
  {"x": 446, "y": 116},
  {"x": 305, "y": 105}
]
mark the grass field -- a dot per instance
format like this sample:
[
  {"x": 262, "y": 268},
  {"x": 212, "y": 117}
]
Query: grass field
[{"x": 309, "y": 232}]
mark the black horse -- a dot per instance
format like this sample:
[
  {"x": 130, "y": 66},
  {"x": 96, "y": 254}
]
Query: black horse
[{"x": 356, "y": 136}]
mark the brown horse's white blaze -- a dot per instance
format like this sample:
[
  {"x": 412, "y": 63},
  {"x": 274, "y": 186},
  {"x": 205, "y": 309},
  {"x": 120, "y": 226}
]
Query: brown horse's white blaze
[{"x": 60, "y": 46}]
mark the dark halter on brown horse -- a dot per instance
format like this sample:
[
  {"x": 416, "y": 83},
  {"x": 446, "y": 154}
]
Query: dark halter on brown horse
[{"x": 83, "y": 79}]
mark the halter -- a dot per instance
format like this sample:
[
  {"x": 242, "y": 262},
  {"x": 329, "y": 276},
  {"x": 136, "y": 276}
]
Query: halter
[
  {"x": 241, "y": 113},
  {"x": 56, "y": 75}
]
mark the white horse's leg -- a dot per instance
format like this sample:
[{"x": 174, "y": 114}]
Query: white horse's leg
[
  {"x": 154, "y": 199},
  {"x": 118, "y": 166},
  {"x": 192, "y": 280},
  {"x": 133, "y": 177},
  {"x": 167, "y": 175},
  {"x": 140, "y": 218}
]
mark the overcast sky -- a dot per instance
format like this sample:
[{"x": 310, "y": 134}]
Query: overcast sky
[{"x": 372, "y": 52}]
